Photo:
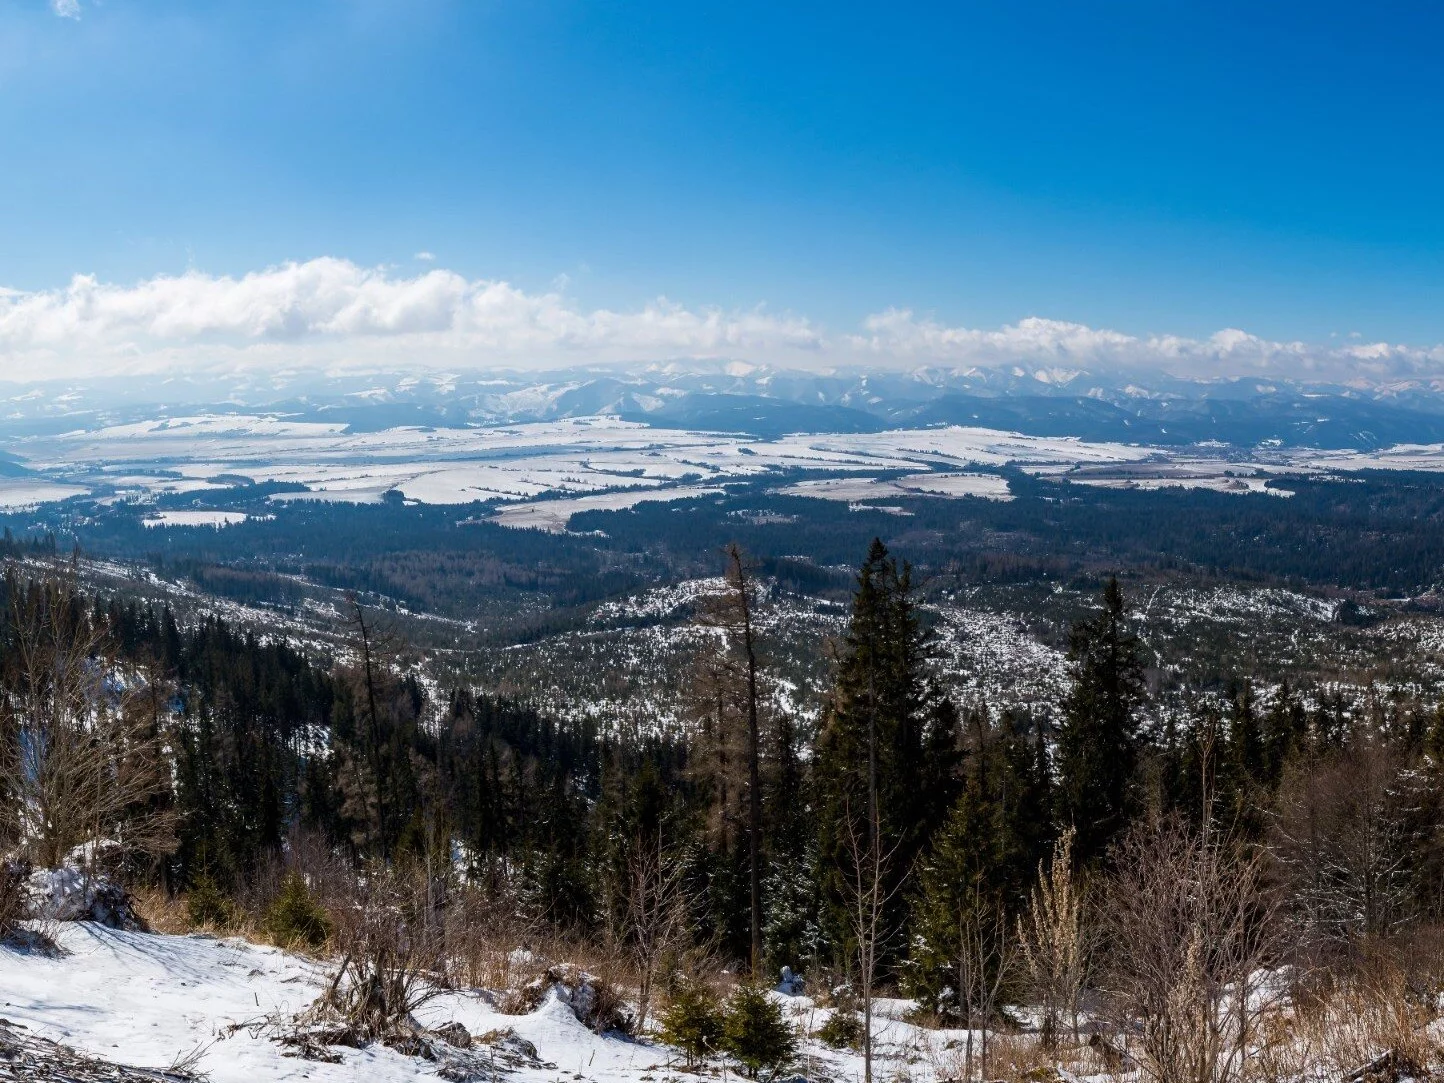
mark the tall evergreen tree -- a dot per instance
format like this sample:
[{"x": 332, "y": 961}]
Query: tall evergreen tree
[
  {"x": 980, "y": 863},
  {"x": 886, "y": 753},
  {"x": 1098, "y": 743}
]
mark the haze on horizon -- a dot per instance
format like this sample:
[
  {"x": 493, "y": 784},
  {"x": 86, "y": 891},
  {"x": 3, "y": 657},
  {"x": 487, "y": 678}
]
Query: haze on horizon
[{"x": 1204, "y": 190}]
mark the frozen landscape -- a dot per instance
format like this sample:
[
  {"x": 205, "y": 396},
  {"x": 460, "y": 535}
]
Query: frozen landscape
[{"x": 668, "y": 543}]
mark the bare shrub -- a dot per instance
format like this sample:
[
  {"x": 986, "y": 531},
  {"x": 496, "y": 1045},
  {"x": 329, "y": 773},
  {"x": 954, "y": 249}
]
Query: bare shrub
[
  {"x": 1361, "y": 1022},
  {"x": 656, "y": 915},
  {"x": 80, "y": 755},
  {"x": 493, "y": 941},
  {"x": 1053, "y": 938},
  {"x": 13, "y": 878},
  {"x": 391, "y": 963},
  {"x": 1342, "y": 844},
  {"x": 1188, "y": 927},
  {"x": 164, "y": 912},
  {"x": 1013, "y": 1058}
]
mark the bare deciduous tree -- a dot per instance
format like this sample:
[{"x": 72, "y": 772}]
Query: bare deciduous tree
[
  {"x": 733, "y": 613},
  {"x": 81, "y": 758},
  {"x": 656, "y": 920},
  {"x": 1342, "y": 845},
  {"x": 867, "y": 892},
  {"x": 987, "y": 958}
]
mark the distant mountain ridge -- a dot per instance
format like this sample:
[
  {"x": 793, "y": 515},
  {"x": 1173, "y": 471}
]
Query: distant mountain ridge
[{"x": 766, "y": 402}]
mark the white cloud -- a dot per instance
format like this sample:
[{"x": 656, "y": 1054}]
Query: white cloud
[
  {"x": 66, "y": 9},
  {"x": 333, "y": 313},
  {"x": 899, "y": 333},
  {"x": 425, "y": 257}
]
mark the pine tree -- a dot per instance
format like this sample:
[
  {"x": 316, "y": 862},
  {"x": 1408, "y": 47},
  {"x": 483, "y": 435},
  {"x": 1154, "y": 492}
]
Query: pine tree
[
  {"x": 790, "y": 888},
  {"x": 1286, "y": 732},
  {"x": 1241, "y": 800},
  {"x": 1098, "y": 743}
]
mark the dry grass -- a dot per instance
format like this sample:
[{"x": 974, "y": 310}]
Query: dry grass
[
  {"x": 1012, "y": 1058},
  {"x": 163, "y": 912},
  {"x": 1338, "y": 1024}
]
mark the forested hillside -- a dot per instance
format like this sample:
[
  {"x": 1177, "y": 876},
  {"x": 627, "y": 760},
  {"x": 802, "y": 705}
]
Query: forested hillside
[{"x": 903, "y": 839}]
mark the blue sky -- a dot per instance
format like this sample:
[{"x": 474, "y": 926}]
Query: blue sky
[{"x": 1159, "y": 168}]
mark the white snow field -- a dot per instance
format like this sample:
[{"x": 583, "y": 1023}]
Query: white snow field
[
  {"x": 518, "y": 462},
  {"x": 603, "y": 454},
  {"x": 988, "y": 486},
  {"x": 149, "y": 1000},
  {"x": 28, "y": 492},
  {"x": 554, "y": 515},
  {"x": 197, "y": 517}
]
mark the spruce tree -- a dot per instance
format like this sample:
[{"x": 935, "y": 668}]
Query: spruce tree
[
  {"x": 979, "y": 865},
  {"x": 885, "y": 756},
  {"x": 1098, "y": 743}
]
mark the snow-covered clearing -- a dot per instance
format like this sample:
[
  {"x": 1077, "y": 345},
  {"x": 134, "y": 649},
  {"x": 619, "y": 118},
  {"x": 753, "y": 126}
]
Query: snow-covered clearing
[
  {"x": 988, "y": 486},
  {"x": 151, "y": 999},
  {"x": 27, "y": 492},
  {"x": 197, "y": 517},
  {"x": 554, "y": 515}
]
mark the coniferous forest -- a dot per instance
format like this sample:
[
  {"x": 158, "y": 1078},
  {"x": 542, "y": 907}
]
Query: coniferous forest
[{"x": 966, "y": 855}]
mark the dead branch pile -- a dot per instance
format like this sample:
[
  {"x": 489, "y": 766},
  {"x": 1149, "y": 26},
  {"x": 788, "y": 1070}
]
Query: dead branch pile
[{"x": 29, "y": 1058}]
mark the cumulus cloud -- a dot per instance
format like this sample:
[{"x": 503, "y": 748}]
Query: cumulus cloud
[
  {"x": 332, "y": 313},
  {"x": 66, "y": 9},
  {"x": 425, "y": 257},
  {"x": 900, "y": 333}
]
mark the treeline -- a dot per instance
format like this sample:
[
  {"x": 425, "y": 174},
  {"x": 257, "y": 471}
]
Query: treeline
[{"x": 875, "y": 843}]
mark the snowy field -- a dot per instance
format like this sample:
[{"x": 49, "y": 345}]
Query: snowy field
[
  {"x": 28, "y": 492},
  {"x": 578, "y": 457},
  {"x": 152, "y": 1000},
  {"x": 554, "y": 515},
  {"x": 519, "y": 462},
  {"x": 197, "y": 517},
  {"x": 988, "y": 486}
]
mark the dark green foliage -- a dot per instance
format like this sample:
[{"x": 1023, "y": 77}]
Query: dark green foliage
[
  {"x": 207, "y": 904},
  {"x": 1098, "y": 744},
  {"x": 693, "y": 1021},
  {"x": 842, "y": 1029},
  {"x": 756, "y": 1034},
  {"x": 296, "y": 917},
  {"x": 886, "y": 724},
  {"x": 982, "y": 860}
]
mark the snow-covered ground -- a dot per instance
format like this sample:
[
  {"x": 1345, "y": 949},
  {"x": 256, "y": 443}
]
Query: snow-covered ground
[
  {"x": 554, "y": 515},
  {"x": 197, "y": 517},
  {"x": 27, "y": 492},
  {"x": 151, "y": 1000},
  {"x": 521, "y": 462},
  {"x": 965, "y": 483},
  {"x": 602, "y": 453}
]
